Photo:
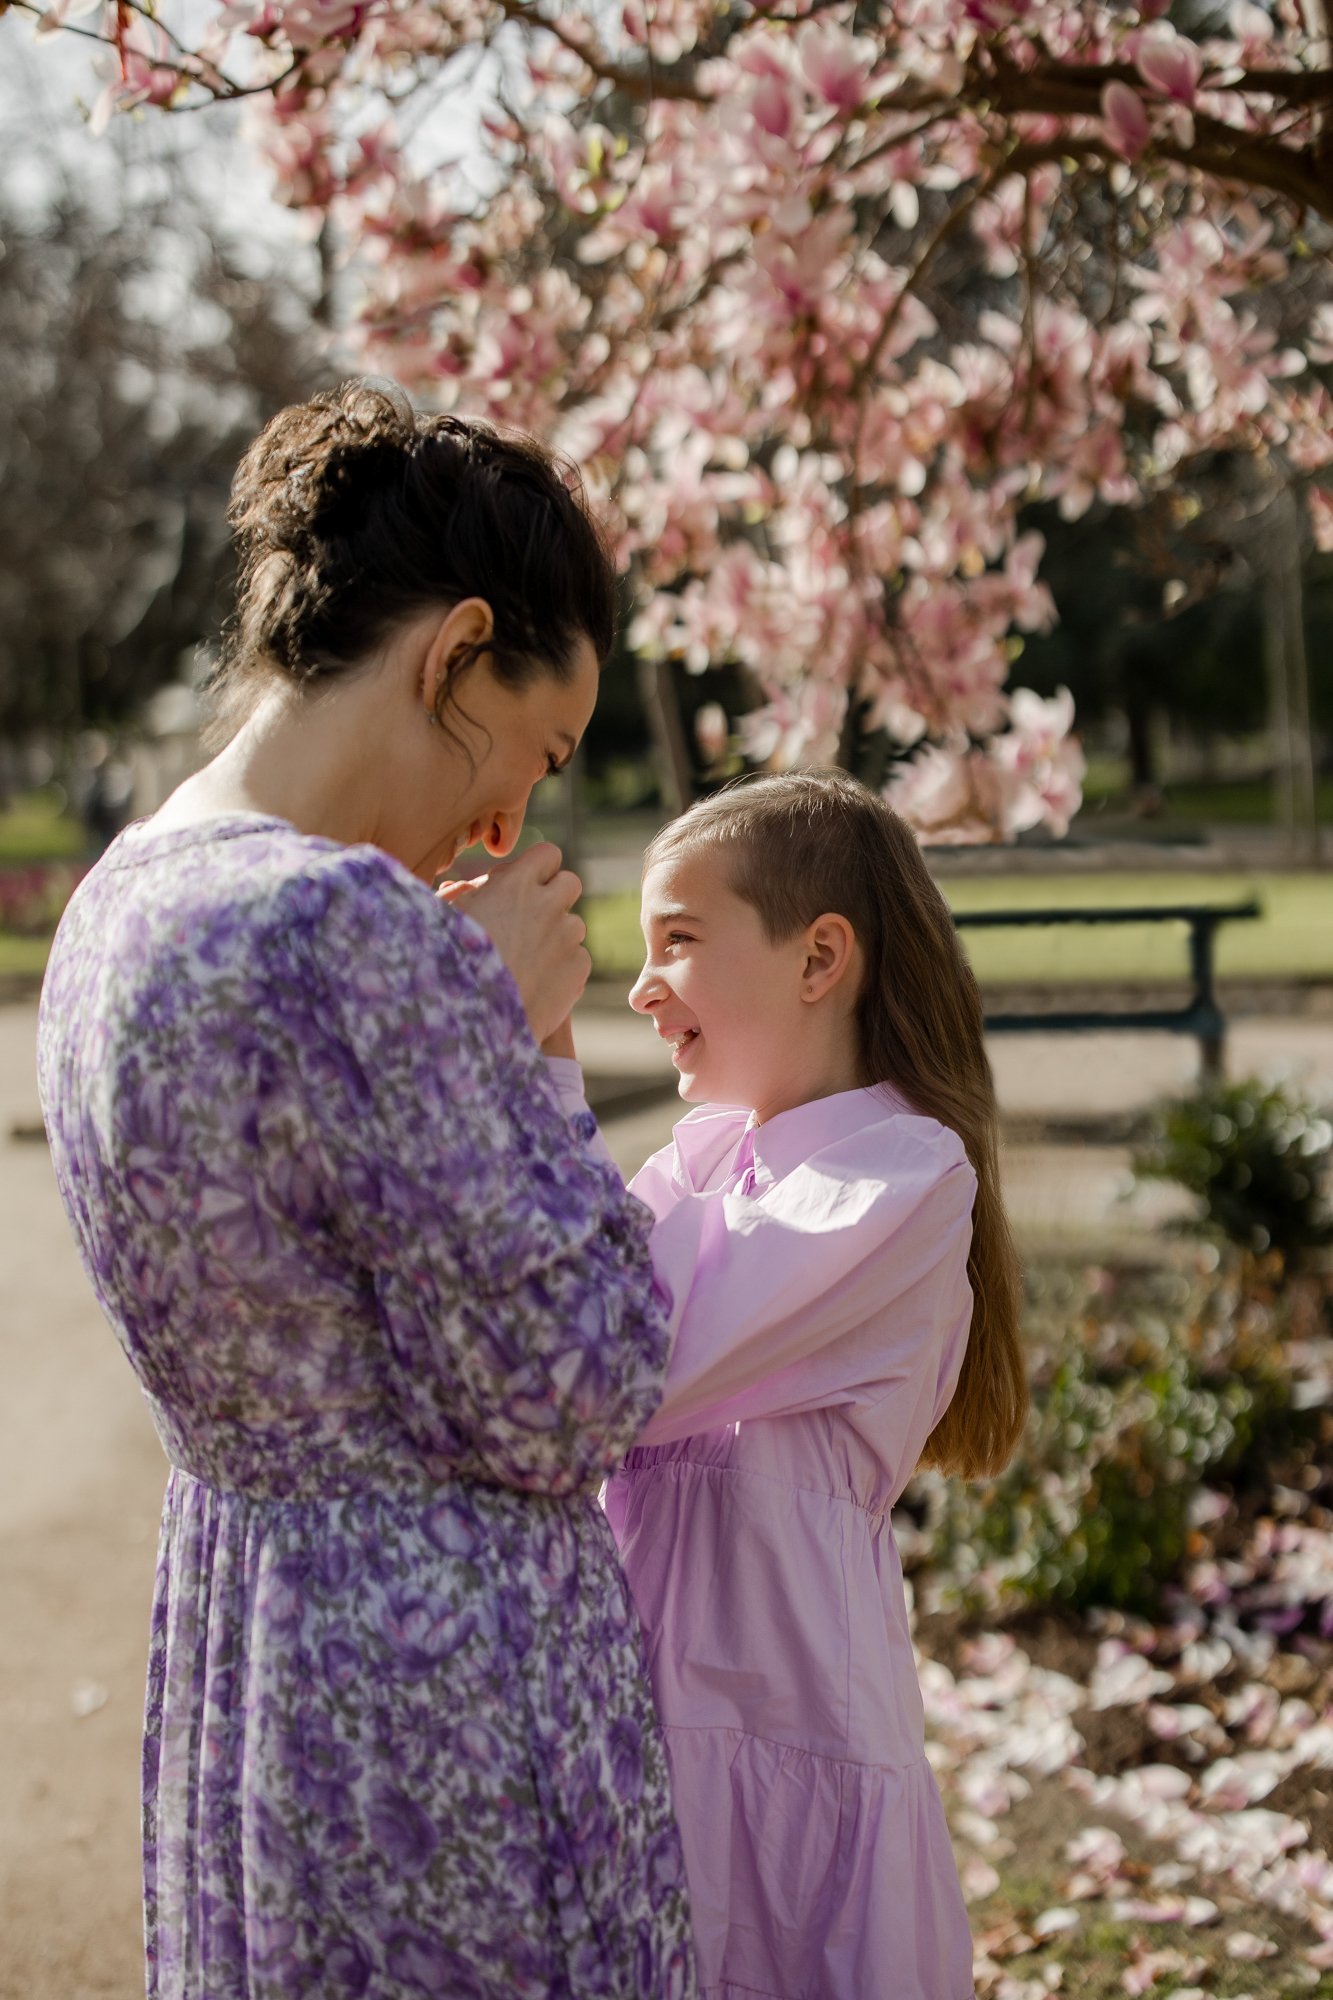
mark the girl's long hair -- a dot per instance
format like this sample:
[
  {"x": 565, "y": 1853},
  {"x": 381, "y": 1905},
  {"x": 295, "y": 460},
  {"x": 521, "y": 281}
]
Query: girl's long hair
[{"x": 809, "y": 843}]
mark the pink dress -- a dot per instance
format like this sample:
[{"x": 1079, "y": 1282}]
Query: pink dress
[{"x": 818, "y": 1265}]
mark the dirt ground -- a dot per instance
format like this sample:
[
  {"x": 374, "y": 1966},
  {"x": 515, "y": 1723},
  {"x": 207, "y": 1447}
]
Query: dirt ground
[{"x": 81, "y": 1478}]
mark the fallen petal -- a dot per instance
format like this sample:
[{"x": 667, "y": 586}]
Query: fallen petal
[{"x": 1245, "y": 1944}]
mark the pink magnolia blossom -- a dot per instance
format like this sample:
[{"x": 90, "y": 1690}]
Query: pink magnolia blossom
[
  {"x": 938, "y": 792},
  {"x": 1041, "y": 763},
  {"x": 837, "y": 65},
  {"x": 300, "y": 24},
  {"x": 706, "y": 260},
  {"x": 1321, "y": 510},
  {"x": 147, "y": 72},
  {"x": 61, "y": 11},
  {"x": 1169, "y": 63},
  {"x": 1127, "y": 126},
  {"x": 670, "y": 27},
  {"x": 1252, "y": 28},
  {"x": 711, "y": 731}
]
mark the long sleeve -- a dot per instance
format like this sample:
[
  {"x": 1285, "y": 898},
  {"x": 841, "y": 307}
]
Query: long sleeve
[
  {"x": 839, "y": 1283},
  {"x": 566, "y": 1074},
  {"x": 510, "y": 1267}
]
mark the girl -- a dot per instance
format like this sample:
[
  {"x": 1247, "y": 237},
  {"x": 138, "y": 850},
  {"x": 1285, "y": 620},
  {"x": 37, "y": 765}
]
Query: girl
[{"x": 845, "y": 1291}]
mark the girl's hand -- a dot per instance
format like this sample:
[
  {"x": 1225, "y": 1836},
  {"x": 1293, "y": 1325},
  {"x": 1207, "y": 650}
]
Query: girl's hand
[{"x": 526, "y": 907}]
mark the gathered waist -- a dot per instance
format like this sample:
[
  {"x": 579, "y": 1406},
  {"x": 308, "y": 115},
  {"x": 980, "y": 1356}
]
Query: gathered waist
[
  {"x": 814, "y": 1649},
  {"x": 325, "y": 1454},
  {"x": 642, "y": 1460},
  {"x": 412, "y": 1493}
]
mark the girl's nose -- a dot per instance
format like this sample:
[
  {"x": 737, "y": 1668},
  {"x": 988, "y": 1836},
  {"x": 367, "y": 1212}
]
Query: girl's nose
[{"x": 645, "y": 992}]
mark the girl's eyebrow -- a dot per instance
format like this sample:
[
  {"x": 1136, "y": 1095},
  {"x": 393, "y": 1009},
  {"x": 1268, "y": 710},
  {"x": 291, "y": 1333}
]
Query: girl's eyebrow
[{"x": 670, "y": 914}]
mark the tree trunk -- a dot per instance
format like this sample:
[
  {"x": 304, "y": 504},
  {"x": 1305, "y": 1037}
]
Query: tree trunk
[
  {"x": 1287, "y": 668},
  {"x": 671, "y": 754},
  {"x": 571, "y": 844},
  {"x": 1142, "y": 745},
  {"x": 325, "y": 309}
]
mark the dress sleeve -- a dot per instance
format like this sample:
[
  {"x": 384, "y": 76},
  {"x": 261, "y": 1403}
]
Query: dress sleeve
[
  {"x": 838, "y": 1285},
  {"x": 509, "y": 1266},
  {"x": 566, "y": 1075}
]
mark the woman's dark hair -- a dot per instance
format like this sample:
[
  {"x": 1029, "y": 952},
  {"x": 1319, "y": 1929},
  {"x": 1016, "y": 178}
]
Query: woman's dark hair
[
  {"x": 353, "y": 513},
  {"x": 810, "y": 843}
]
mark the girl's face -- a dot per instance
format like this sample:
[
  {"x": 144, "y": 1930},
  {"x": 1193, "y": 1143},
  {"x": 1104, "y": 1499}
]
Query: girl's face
[{"x": 736, "y": 1008}]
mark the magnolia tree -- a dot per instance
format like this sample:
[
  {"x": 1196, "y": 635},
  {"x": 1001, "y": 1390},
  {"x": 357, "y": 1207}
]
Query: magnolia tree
[{"x": 819, "y": 296}]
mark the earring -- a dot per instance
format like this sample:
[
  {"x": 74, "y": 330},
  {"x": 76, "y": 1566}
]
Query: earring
[{"x": 432, "y": 718}]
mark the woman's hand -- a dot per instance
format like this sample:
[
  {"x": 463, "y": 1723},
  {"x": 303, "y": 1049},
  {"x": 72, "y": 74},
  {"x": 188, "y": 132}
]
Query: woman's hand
[
  {"x": 526, "y": 907},
  {"x": 561, "y": 1043}
]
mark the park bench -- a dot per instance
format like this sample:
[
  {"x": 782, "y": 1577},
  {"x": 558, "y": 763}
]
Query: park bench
[{"x": 1201, "y": 1017}]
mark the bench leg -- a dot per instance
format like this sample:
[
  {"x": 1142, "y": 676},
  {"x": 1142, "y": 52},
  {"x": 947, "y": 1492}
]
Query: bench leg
[{"x": 1212, "y": 1027}]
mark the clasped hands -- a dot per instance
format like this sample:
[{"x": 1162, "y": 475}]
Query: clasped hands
[{"x": 526, "y": 907}]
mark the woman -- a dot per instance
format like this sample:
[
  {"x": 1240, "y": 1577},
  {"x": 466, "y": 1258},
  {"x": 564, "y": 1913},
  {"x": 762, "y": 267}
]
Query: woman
[{"x": 392, "y": 1320}]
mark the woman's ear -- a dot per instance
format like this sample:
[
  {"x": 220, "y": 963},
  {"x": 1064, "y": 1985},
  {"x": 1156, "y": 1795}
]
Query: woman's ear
[
  {"x": 830, "y": 955},
  {"x": 464, "y": 626}
]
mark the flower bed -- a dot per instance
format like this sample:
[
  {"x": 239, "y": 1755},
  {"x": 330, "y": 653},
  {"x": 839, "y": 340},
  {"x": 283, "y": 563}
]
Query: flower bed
[
  {"x": 33, "y": 896},
  {"x": 1127, "y": 1648}
]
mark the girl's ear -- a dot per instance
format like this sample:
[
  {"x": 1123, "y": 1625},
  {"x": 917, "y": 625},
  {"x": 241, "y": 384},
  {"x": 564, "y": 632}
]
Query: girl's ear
[{"x": 830, "y": 954}]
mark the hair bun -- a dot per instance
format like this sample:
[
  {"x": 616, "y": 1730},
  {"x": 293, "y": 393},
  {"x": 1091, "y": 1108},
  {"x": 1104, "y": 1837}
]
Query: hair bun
[
  {"x": 353, "y": 515},
  {"x": 306, "y": 466}
]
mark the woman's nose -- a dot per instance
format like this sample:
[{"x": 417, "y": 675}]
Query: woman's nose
[{"x": 501, "y": 836}]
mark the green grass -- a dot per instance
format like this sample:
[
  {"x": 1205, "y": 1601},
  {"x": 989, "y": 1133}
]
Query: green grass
[
  {"x": 1243, "y": 804},
  {"x": 23, "y": 957},
  {"x": 1292, "y": 940},
  {"x": 1220, "y": 802},
  {"x": 36, "y": 828}
]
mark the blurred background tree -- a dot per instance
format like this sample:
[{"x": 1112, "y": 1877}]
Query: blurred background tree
[
  {"x": 139, "y": 351},
  {"x": 1124, "y": 652}
]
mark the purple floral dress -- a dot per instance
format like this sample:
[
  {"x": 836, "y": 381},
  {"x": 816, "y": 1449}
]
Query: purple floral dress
[{"x": 393, "y": 1322}]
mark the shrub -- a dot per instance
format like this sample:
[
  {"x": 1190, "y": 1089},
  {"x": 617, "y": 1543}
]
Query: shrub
[
  {"x": 33, "y": 897},
  {"x": 1147, "y": 1389},
  {"x": 1254, "y": 1157}
]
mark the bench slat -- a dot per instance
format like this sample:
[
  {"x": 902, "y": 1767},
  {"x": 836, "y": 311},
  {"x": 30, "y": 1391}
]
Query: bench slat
[{"x": 1181, "y": 913}]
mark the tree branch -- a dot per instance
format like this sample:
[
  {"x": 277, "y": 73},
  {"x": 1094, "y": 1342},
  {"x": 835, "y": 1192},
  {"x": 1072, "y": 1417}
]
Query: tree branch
[
  {"x": 1074, "y": 90},
  {"x": 642, "y": 85},
  {"x": 1246, "y": 163},
  {"x": 217, "y": 87}
]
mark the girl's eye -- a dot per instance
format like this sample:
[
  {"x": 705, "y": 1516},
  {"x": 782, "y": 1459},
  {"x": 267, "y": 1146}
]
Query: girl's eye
[{"x": 678, "y": 937}]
